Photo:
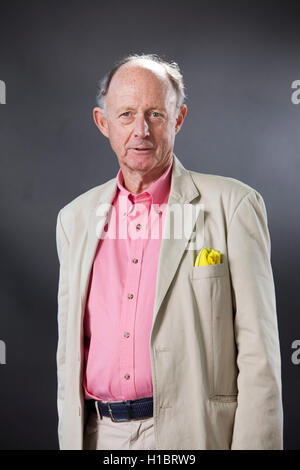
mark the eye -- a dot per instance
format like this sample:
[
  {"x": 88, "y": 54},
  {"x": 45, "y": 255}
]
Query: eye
[
  {"x": 126, "y": 114},
  {"x": 155, "y": 114}
]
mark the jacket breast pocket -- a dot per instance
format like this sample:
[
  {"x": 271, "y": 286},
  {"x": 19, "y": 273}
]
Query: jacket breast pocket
[
  {"x": 212, "y": 270},
  {"x": 213, "y": 303}
]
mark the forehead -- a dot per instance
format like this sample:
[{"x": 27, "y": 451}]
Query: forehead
[{"x": 140, "y": 83}]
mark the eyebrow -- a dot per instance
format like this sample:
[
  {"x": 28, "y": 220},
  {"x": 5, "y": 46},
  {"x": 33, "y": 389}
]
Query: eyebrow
[{"x": 123, "y": 108}]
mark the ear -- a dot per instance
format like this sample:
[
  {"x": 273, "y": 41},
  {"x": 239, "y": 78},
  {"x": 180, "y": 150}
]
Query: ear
[
  {"x": 101, "y": 121},
  {"x": 180, "y": 118}
]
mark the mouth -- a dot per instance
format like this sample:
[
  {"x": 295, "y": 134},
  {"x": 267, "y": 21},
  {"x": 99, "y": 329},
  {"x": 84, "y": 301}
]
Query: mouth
[{"x": 142, "y": 149}]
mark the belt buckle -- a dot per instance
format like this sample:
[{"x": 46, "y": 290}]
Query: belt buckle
[{"x": 111, "y": 414}]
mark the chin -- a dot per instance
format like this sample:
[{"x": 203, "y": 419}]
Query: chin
[{"x": 144, "y": 163}]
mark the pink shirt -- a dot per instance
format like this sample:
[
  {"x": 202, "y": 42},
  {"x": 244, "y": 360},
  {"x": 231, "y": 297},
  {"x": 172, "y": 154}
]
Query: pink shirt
[{"x": 119, "y": 309}]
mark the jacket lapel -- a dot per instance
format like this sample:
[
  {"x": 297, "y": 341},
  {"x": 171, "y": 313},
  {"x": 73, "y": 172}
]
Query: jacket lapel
[{"x": 177, "y": 231}]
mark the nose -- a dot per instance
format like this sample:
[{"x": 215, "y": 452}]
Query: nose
[{"x": 141, "y": 128}]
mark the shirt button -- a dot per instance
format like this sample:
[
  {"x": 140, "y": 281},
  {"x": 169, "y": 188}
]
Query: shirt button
[
  {"x": 138, "y": 227},
  {"x": 127, "y": 376},
  {"x": 126, "y": 334},
  {"x": 158, "y": 211},
  {"x": 130, "y": 296},
  {"x": 135, "y": 260}
]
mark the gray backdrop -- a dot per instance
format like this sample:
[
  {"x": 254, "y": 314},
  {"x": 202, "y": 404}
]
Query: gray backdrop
[{"x": 239, "y": 60}]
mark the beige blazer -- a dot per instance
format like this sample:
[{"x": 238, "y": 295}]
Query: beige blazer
[{"x": 214, "y": 342}]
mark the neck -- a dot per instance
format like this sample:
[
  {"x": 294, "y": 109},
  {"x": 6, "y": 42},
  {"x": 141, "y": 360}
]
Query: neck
[{"x": 137, "y": 182}]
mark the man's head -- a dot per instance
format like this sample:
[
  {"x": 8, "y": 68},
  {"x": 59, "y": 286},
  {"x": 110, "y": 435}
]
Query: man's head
[{"x": 140, "y": 109}]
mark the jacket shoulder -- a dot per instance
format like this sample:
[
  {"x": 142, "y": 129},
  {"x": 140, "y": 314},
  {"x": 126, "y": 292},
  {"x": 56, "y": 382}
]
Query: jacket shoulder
[
  {"x": 79, "y": 206},
  {"x": 223, "y": 187},
  {"x": 227, "y": 194}
]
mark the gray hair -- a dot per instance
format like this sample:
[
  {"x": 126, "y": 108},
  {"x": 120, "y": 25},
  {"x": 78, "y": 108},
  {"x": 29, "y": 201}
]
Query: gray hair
[{"x": 171, "y": 69}]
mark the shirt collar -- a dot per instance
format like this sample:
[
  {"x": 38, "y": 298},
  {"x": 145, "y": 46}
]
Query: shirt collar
[{"x": 158, "y": 190}]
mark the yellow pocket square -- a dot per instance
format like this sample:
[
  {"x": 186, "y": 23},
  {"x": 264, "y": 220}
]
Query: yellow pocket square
[{"x": 208, "y": 256}]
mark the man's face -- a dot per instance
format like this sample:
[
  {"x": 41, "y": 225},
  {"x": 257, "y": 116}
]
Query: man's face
[{"x": 142, "y": 119}]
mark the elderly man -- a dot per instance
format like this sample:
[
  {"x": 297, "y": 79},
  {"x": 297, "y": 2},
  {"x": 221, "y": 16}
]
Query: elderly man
[{"x": 164, "y": 342}]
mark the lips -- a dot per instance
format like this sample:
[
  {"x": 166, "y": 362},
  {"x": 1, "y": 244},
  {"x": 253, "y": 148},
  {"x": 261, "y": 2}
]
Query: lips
[{"x": 141, "y": 146}]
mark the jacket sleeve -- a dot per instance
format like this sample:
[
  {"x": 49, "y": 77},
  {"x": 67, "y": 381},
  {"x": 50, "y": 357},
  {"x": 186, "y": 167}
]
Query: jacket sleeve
[
  {"x": 259, "y": 417},
  {"x": 62, "y": 301}
]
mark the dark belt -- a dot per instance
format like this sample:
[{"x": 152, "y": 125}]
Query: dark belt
[{"x": 126, "y": 410}]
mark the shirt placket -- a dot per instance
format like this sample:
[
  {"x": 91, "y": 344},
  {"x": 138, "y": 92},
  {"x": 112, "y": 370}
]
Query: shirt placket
[{"x": 135, "y": 248}]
